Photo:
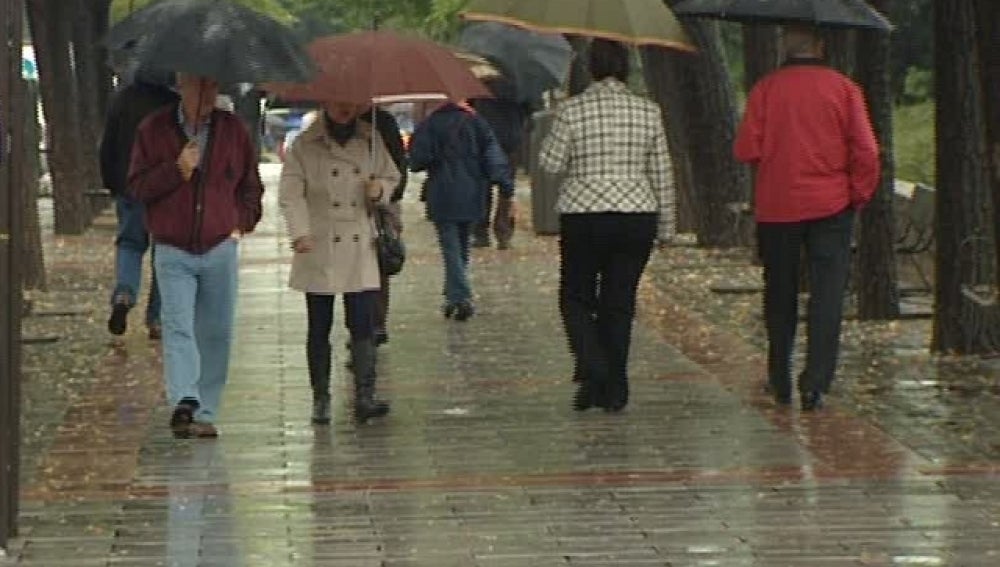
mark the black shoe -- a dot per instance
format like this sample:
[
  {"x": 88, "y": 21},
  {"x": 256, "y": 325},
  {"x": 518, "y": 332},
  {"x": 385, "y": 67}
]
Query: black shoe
[
  {"x": 381, "y": 338},
  {"x": 584, "y": 398},
  {"x": 782, "y": 398},
  {"x": 155, "y": 331},
  {"x": 449, "y": 310},
  {"x": 182, "y": 418},
  {"x": 369, "y": 407},
  {"x": 812, "y": 401},
  {"x": 615, "y": 407},
  {"x": 118, "y": 322},
  {"x": 321, "y": 411},
  {"x": 464, "y": 311}
]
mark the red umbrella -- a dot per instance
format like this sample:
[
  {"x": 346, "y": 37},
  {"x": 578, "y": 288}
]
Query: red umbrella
[{"x": 382, "y": 66}]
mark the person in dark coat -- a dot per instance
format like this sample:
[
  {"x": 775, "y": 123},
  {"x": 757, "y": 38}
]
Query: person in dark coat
[
  {"x": 506, "y": 118},
  {"x": 462, "y": 159},
  {"x": 131, "y": 105},
  {"x": 388, "y": 129}
]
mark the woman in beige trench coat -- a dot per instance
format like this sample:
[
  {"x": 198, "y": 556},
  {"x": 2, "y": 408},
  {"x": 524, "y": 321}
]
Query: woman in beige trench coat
[{"x": 330, "y": 183}]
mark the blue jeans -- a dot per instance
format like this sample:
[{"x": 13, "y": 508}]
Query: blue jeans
[
  {"x": 131, "y": 245},
  {"x": 199, "y": 304},
  {"x": 453, "y": 237}
]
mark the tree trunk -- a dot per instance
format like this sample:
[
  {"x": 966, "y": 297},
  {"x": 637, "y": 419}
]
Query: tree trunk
[
  {"x": 988, "y": 16},
  {"x": 841, "y": 50},
  {"x": 579, "y": 72},
  {"x": 11, "y": 296},
  {"x": 761, "y": 52},
  {"x": 878, "y": 289},
  {"x": 962, "y": 214},
  {"x": 719, "y": 179},
  {"x": 51, "y": 30},
  {"x": 33, "y": 267},
  {"x": 87, "y": 64},
  {"x": 100, "y": 21},
  {"x": 665, "y": 71}
]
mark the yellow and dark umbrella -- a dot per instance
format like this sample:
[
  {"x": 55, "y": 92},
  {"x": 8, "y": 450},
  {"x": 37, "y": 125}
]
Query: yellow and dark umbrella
[{"x": 637, "y": 22}]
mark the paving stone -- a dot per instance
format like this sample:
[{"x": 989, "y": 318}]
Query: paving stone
[{"x": 482, "y": 463}]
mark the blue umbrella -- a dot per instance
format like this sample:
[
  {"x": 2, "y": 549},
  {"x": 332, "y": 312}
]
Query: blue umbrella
[{"x": 535, "y": 62}]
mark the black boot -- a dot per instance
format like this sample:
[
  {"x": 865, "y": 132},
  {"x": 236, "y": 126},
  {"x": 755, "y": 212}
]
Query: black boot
[
  {"x": 319, "y": 379},
  {"x": 366, "y": 405}
]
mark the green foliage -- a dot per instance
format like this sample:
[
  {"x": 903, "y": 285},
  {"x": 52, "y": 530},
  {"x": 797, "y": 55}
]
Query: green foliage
[
  {"x": 274, "y": 8},
  {"x": 442, "y": 23},
  {"x": 918, "y": 85},
  {"x": 914, "y": 140}
]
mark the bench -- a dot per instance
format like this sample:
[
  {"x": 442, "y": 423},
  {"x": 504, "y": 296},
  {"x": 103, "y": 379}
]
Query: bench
[{"x": 916, "y": 229}]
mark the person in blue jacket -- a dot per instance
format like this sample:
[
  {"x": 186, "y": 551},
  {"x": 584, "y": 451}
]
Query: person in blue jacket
[{"x": 463, "y": 159}]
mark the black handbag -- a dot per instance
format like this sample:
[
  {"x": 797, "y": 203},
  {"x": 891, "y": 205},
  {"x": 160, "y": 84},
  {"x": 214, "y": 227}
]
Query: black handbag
[{"x": 389, "y": 243}]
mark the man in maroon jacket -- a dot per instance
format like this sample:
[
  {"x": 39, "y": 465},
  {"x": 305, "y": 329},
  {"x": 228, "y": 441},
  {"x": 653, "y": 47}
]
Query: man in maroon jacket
[
  {"x": 195, "y": 169},
  {"x": 807, "y": 132}
]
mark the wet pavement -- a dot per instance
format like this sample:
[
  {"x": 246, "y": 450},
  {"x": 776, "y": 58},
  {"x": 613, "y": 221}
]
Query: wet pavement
[{"x": 482, "y": 462}]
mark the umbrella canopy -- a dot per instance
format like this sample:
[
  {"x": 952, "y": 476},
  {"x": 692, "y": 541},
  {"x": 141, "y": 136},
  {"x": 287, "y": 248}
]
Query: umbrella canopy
[
  {"x": 639, "y": 22},
  {"x": 218, "y": 39},
  {"x": 481, "y": 67},
  {"x": 535, "y": 62},
  {"x": 382, "y": 66},
  {"x": 827, "y": 13}
]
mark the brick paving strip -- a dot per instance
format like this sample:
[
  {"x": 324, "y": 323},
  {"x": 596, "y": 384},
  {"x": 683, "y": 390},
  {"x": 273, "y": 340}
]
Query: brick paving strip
[{"x": 482, "y": 463}]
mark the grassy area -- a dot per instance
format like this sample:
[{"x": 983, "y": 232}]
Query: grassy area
[{"x": 914, "y": 138}]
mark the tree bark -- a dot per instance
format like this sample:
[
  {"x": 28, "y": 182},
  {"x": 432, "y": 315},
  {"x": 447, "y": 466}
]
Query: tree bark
[
  {"x": 719, "y": 180},
  {"x": 34, "y": 264},
  {"x": 962, "y": 212},
  {"x": 841, "y": 50},
  {"x": 87, "y": 65},
  {"x": 11, "y": 296},
  {"x": 665, "y": 73},
  {"x": 761, "y": 52},
  {"x": 878, "y": 290},
  {"x": 579, "y": 72},
  {"x": 988, "y": 16},
  {"x": 101, "y": 21},
  {"x": 51, "y": 30}
]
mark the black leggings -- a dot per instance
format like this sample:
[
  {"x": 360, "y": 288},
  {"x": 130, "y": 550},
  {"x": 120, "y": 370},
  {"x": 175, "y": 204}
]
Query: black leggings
[{"x": 359, "y": 311}]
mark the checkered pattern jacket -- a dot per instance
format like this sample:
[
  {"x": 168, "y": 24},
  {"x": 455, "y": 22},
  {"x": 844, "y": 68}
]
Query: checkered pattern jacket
[{"x": 612, "y": 148}]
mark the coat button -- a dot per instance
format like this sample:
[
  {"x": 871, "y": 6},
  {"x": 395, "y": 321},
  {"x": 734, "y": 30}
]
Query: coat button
[
  {"x": 357, "y": 171},
  {"x": 336, "y": 204},
  {"x": 336, "y": 239},
  {"x": 354, "y": 203},
  {"x": 336, "y": 172},
  {"x": 356, "y": 238}
]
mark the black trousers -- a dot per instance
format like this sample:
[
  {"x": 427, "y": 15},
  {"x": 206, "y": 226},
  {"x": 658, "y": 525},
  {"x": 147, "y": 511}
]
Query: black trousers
[
  {"x": 359, "y": 312},
  {"x": 827, "y": 244},
  {"x": 602, "y": 258}
]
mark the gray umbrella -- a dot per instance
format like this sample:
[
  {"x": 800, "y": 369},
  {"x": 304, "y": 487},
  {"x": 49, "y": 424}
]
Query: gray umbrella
[
  {"x": 535, "y": 62},
  {"x": 218, "y": 39},
  {"x": 825, "y": 13}
]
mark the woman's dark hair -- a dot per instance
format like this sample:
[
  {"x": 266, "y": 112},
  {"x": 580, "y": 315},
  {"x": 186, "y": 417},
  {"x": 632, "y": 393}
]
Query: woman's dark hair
[{"x": 608, "y": 59}]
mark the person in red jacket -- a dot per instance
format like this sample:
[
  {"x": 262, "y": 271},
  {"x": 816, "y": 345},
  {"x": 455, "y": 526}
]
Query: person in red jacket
[
  {"x": 195, "y": 169},
  {"x": 807, "y": 133}
]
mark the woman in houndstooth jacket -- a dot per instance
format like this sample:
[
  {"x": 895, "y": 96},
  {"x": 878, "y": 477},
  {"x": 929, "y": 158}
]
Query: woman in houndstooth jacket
[{"x": 616, "y": 200}]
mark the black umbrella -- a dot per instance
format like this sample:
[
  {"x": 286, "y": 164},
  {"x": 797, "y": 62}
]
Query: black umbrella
[
  {"x": 825, "y": 13},
  {"x": 536, "y": 62},
  {"x": 218, "y": 39}
]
